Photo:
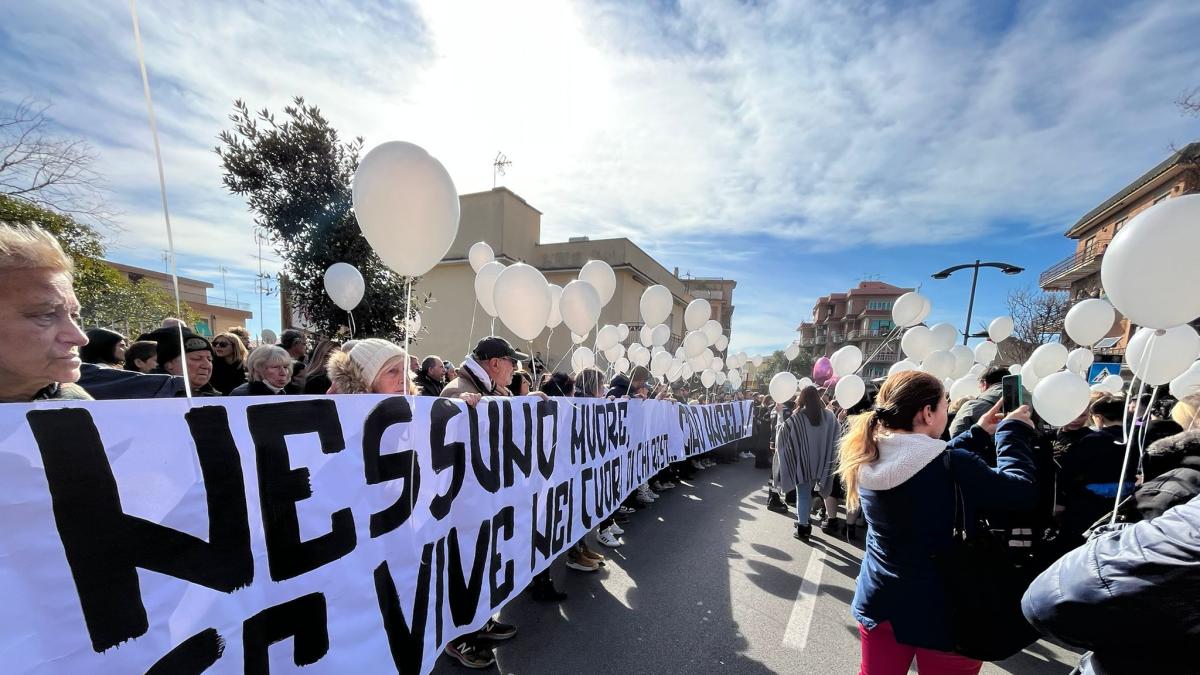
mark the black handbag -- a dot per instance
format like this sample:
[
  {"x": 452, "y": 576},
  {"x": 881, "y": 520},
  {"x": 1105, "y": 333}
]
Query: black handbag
[{"x": 984, "y": 584}]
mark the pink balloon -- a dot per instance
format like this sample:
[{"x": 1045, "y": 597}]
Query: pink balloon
[
  {"x": 822, "y": 370},
  {"x": 832, "y": 382}
]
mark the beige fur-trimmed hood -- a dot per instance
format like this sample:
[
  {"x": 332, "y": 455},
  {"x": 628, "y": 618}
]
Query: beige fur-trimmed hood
[{"x": 347, "y": 376}]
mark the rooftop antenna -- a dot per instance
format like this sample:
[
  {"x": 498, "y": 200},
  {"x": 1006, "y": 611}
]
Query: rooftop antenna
[
  {"x": 499, "y": 165},
  {"x": 262, "y": 281},
  {"x": 224, "y": 285}
]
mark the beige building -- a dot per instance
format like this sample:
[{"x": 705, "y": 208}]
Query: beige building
[
  {"x": 862, "y": 317},
  {"x": 513, "y": 229},
  {"x": 214, "y": 316},
  {"x": 1079, "y": 273}
]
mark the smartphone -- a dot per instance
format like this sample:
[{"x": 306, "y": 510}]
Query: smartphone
[{"x": 1012, "y": 394}]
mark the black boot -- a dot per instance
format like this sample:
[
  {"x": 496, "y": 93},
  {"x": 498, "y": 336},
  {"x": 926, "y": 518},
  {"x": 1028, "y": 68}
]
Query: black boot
[
  {"x": 774, "y": 503},
  {"x": 830, "y": 526},
  {"x": 803, "y": 532},
  {"x": 851, "y": 533},
  {"x": 542, "y": 589}
]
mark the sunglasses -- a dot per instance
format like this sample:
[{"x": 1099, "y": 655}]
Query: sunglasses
[{"x": 222, "y": 343}]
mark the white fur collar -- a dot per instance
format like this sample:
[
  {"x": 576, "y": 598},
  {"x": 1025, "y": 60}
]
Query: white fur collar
[{"x": 901, "y": 456}]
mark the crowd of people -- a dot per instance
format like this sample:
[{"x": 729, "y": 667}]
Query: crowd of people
[{"x": 919, "y": 477}]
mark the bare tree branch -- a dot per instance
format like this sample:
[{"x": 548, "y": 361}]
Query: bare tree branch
[
  {"x": 48, "y": 171},
  {"x": 1037, "y": 319},
  {"x": 1189, "y": 102}
]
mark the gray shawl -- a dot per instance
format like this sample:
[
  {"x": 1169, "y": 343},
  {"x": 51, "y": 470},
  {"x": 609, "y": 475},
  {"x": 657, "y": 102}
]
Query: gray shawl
[{"x": 807, "y": 453}]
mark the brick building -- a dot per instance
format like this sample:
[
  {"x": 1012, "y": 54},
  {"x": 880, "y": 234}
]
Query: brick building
[{"x": 862, "y": 317}]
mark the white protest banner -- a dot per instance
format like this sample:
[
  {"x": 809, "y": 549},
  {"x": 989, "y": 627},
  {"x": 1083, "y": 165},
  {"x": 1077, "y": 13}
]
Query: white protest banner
[{"x": 162, "y": 536}]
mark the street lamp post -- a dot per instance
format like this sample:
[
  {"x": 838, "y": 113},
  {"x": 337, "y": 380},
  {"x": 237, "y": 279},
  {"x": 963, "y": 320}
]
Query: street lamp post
[{"x": 1003, "y": 267}]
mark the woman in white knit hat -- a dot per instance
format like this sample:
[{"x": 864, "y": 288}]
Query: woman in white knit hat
[{"x": 371, "y": 366}]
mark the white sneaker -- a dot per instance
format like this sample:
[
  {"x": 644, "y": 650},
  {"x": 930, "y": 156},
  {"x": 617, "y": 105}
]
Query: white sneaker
[
  {"x": 667, "y": 486},
  {"x": 609, "y": 539},
  {"x": 650, "y": 491},
  {"x": 645, "y": 499},
  {"x": 696, "y": 464},
  {"x": 615, "y": 529}
]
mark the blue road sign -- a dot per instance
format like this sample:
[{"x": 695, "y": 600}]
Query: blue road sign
[{"x": 1099, "y": 371}]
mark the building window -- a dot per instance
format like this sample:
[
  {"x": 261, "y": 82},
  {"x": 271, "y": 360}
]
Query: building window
[
  {"x": 879, "y": 304},
  {"x": 1118, "y": 225},
  {"x": 1089, "y": 247},
  {"x": 882, "y": 324}
]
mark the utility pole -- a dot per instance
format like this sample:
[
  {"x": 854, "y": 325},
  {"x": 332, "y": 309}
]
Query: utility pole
[{"x": 224, "y": 286}]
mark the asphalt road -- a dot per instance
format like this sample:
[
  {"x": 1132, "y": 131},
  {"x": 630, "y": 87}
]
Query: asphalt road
[{"x": 708, "y": 582}]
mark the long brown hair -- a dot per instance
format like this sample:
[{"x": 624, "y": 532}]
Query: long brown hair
[
  {"x": 902, "y": 396},
  {"x": 814, "y": 410},
  {"x": 319, "y": 358}
]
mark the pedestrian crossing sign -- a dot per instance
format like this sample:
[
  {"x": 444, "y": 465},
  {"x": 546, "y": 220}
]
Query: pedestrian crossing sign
[{"x": 1099, "y": 371}]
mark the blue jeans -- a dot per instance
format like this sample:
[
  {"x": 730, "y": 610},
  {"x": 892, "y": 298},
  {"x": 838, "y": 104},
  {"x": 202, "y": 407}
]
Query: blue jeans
[{"x": 803, "y": 504}]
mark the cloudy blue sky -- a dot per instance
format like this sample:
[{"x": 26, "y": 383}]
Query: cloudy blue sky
[{"x": 797, "y": 147}]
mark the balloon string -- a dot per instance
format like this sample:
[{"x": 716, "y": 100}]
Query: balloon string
[
  {"x": 1125, "y": 417},
  {"x": 162, "y": 190},
  {"x": 887, "y": 338},
  {"x": 471, "y": 334},
  {"x": 493, "y": 326},
  {"x": 350, "y": 316}
]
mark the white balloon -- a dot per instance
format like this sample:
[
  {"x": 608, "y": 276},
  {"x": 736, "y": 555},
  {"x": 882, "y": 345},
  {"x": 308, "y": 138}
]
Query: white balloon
[
  {"x": 578, "y": 339},
  {"x": 582, "y": 358},
  {"x": 1029, "y": 375},
  {"x": 1089, "y": 320},
  {"x": 1014, "y": 369},
  {"x": 555, "y": 317},
  {"x": 735, "y": 379},
  {"x": 1061, "y": 397},
  {"x": 722, "y": 342},
  {"x": 734, "y": 371},
  {"x": 601, "y": 277},
  {"x": 964, "y": 387},
  {"x": 708, "y": 378},
  {"x": 1156, "y": 252},
  {"x": 901, "y": 366},
  {"x": 624, "y": 331},
  {"x": 406, "y": 206},
  {"x": 1158, "y": 359},
  {"x": 699, "y": 363},
  {"x": 907, "y": 309},
  {"x": 1079, "y": 360},
  {"x": 480, "y": 254},
  {"x": 783, "y": 386},
  {"x": 345, "y": 285},
  {"x": 985, "y": 352},
  {"x": 977, "y": 369},
  {"x": 1048, "y": 358},
  {"x": 580, "y": 306},
  {"x": 711, "y": 330},
  {"x": 846, "y": 360},
  {"x": 791, "y": 352},
  {"x": 939, "y": 364},
  {"x": 660, "y": 335},
  {"x": 642, "y": 357},
  {"x": 414, "y": 324},
  {"x": 717, "y": 364},
  {"x": 917, "y": 343},
  {"x": 694, "y": 343},
  {"x": 720, "y": 378},
  {"x": 698, "y": 311},
  {"x": 655, "y": 305},
  {"x": 613, "y": 353},
  {"x": 485, "y": 286},
  {"x": 944, "y": 336},
  {"x": 686, "y": 372},
  {"x": 659, "y": 364},
  {"x": 1114, "y": 384},
  {"x": 1188, "y": 383},
  {"x": 804, "y": 383},
  {"x": 607, "y": 337},
  {"x": 964, "y": 358},
  {"x": 757, "y": 360},
  {"x": 268, "y": 336},
  {"x": 926, "y": 308},
  {"x": 849, "y": 391},
  {"x": 522, "y": 300},
  {"x": 646, "y": 336},
  {"x": 621, "y": 365},
  {"x": 1000, "y": 328}
]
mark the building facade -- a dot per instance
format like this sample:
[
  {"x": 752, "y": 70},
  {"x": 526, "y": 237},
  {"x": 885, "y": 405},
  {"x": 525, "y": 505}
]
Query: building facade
[
  {"x": 861, "y": 317},
  {"x": 215, "y": 317},
  {"x": 453, "y": 320},
  {"x": 1079, "y": 273}
]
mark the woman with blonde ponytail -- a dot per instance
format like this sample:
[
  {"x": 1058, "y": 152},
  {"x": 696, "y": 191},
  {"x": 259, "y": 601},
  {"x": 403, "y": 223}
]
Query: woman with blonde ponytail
[{"x": 909, "y": 484}]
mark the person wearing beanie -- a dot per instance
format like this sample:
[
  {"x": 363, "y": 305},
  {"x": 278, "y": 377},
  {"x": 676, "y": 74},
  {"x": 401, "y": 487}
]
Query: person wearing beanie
[
  {"x": 196, "y": 349},
  {"x": 104, "y": 348},
  {"x": 371, "y": 366}
]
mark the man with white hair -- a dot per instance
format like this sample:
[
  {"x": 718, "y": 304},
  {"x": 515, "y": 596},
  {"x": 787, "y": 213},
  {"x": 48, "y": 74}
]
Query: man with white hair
[{"x": 39, "y": 318}]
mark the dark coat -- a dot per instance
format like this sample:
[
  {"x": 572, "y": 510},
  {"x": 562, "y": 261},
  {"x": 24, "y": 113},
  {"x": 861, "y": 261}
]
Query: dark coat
[
  {"x": 972, "y": 410},
  {"x": 1174, "y": 464},
  {"x": 910, "y": 525},
  {"x": 618, "y": 387},
  {"x": 1129, "y": 595},
  {"x": 257, "y": 389},
  {"x": 227, "y": 377},
  {"x": 429, "y": 386},
  {"x": 110, "y": 383},
  {"x": 1087, "y": 480},
  {"x": 317, "y": 383}
]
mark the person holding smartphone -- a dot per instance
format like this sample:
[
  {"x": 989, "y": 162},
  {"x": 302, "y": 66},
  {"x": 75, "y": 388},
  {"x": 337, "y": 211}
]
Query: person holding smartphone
[{"x": 894, "y": 464}]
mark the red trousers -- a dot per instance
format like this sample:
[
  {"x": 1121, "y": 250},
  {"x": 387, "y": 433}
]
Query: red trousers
[{"x": 882, "y": 655}]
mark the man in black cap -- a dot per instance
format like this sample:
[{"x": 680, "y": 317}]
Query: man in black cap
[
  {"x": 487, "y": 371},
  {"x": 196, "y": 349}
]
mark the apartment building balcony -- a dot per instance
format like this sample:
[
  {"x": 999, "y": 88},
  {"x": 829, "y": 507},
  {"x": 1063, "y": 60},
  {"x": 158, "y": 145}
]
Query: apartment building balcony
[
  {"x": 1062, "y": 274},
  {"x": 838, "y": 338},
  {"x": 864, "y": 334},
  {"x": 885, "y": 357},
  {"x": 807, "y": 342},
  {"x": 819, "y": 340}
]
